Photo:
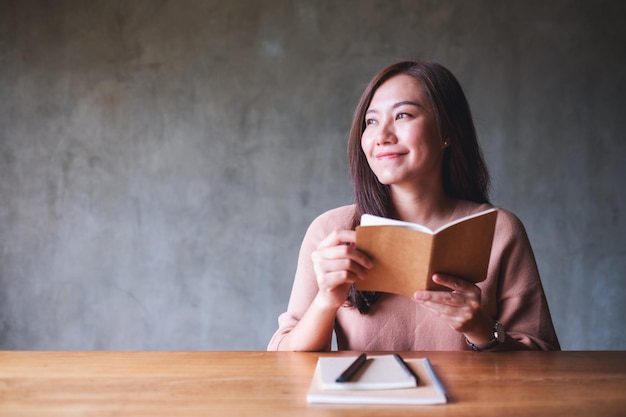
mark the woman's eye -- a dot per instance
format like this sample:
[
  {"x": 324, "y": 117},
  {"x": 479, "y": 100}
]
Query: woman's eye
[
  {"x": 369, "y": 122},
  {"x": 402, "y": 116}
]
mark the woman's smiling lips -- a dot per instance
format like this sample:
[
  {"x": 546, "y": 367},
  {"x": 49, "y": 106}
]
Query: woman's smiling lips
[{"x": 389, "y": 155}]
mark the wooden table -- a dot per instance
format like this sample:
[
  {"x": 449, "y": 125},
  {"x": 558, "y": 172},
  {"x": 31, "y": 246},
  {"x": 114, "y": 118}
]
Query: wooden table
[{"x": 275, "y": 383}]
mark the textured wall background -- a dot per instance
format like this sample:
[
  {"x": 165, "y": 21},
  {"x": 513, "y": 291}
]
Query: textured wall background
[{"x": 161, "y": 160}]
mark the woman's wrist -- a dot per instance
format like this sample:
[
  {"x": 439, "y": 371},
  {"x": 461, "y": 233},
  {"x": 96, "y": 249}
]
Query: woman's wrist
[
  {"x": 482, "y": 332},
  {"x": 325, "y": 304},
  {"x": 499, "y": 336}
]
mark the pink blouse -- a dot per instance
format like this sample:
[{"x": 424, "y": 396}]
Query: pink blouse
[{"x": 511, "y": 294}]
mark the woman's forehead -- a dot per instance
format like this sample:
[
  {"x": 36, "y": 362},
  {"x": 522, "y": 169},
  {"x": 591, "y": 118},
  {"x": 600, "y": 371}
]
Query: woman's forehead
[{"x": 400, "y": 88}]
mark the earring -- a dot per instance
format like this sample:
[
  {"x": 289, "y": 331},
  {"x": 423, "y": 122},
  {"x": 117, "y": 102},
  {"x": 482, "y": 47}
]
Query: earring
[{"x": 445, "y": 144}]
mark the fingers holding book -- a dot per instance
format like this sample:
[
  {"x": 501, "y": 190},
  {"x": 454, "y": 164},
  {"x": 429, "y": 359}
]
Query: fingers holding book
[
  {"x": 338, "y": 264},
  {"x": 460, "y": 308}
]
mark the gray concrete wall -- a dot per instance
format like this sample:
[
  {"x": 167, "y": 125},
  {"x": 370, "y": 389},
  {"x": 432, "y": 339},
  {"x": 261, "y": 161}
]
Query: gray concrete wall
[{"x": 161, "y": 160}]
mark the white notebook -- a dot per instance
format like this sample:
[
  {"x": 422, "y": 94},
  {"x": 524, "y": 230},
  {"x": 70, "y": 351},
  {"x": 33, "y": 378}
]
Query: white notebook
[
  {"x": 429, "y": 390},
  {"x": 378, "y": 372}
]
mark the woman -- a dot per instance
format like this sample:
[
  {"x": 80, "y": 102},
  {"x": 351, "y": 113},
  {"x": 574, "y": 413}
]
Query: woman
[{"x": 414, "y": 156}]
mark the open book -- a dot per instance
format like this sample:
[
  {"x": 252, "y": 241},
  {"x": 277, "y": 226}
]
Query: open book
[
  {"x": 373, "y": 383},
  {"x": 406, "y": 255}
]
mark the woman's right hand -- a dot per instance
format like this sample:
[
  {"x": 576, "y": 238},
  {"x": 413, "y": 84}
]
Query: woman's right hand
[{"x": 338, "y": 264}]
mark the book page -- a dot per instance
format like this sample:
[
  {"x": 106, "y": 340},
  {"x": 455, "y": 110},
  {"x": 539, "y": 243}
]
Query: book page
[
  {"x": 463, "y": 219},
  {"x": 371, "y": 220}
]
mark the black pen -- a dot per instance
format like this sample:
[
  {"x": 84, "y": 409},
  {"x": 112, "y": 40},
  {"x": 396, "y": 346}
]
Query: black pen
[
  {"x": 407, "y": 368},
  {"x": 352, "y": 369}
]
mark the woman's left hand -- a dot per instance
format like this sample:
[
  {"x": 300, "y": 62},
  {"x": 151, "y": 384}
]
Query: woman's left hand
[{"x": 459, "y": 308}]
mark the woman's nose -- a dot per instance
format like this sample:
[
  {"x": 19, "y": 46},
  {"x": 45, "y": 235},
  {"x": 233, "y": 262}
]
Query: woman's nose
[{"x": 385, "y": 134}]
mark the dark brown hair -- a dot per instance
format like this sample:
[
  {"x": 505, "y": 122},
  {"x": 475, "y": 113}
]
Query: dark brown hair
[{"x": 464, "y": 172}]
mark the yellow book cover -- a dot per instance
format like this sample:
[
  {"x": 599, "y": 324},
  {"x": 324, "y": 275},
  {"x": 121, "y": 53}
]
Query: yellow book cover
[{"x": 406, "y": 255}]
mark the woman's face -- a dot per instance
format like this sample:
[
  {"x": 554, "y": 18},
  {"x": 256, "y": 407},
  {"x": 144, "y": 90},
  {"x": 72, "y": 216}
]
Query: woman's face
[{"x": 401, "y": 139}]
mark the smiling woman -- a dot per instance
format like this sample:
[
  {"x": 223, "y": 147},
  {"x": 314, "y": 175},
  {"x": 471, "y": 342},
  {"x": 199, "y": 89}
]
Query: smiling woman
[
  {"x": 401, "y": 139},
  {"x": 414, "y": 156}
]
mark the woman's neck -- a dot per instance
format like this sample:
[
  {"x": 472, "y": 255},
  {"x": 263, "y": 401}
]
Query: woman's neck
[{"x": 431, "y": 209}]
